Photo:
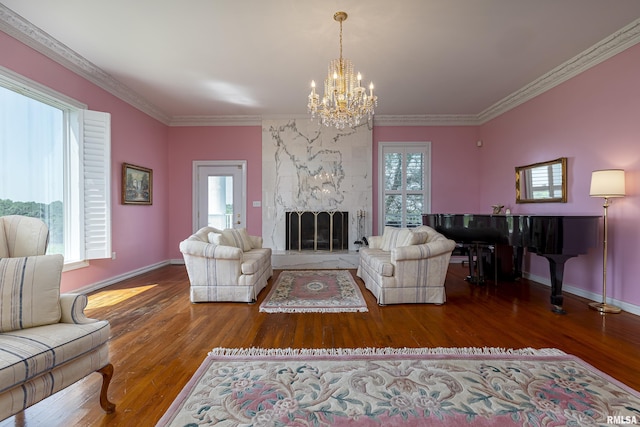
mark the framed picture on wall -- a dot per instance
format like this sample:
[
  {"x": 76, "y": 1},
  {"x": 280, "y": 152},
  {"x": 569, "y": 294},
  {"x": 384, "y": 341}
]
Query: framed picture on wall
[{"x": 137, "y": 185}]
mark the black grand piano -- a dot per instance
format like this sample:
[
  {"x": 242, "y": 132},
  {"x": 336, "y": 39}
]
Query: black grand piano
[{"x": 555, "y": 237}]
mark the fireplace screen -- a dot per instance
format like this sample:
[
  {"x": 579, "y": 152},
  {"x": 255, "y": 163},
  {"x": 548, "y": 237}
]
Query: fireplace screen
[{"x": 317, "y": 231}]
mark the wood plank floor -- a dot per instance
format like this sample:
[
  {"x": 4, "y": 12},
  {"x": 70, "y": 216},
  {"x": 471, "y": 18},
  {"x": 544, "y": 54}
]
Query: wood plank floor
[{"x": 159, "y": 338}]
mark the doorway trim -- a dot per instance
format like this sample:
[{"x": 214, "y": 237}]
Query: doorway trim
[{"x": 242, "y": 164}]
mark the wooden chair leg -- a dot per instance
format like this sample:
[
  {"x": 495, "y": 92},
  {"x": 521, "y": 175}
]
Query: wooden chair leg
[{"x": 107, "y": 373}]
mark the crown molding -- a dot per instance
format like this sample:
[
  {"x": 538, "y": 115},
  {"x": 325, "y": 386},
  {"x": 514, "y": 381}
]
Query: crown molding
[
  {"x": 27, "y": 33},
  {"x": 379, "y": 120},
  {"x": 216, "y": 121},
  {"x": 605, "y": 49},
  {"x": 427, "y": 120},
  {"x": 24, "y": 31}
]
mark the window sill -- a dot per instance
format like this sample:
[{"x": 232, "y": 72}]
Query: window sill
[{"x": 75, "y": 265}]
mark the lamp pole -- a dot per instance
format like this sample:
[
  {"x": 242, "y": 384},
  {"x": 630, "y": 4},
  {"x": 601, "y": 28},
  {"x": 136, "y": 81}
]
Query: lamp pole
[
  {"x": 603, "y": 307},
  {"x": 606, "y": 183}
]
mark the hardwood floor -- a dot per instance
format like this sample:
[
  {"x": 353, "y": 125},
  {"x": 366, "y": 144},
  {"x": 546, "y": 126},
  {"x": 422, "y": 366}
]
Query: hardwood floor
[{"x": 158, "y": 338}]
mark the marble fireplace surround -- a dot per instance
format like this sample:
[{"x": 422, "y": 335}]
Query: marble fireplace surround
[{"x": 309, "y": 167}]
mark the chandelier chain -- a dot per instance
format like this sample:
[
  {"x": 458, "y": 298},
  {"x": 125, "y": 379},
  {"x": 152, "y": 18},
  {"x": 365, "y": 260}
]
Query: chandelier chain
[{"x": 340, "y": 42}]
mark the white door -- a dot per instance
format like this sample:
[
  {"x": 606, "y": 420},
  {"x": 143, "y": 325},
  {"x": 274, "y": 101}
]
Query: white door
[{"x": 219, "y": 194}]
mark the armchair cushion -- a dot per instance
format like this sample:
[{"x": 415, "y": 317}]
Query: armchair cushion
[
  {"x": 22, "y": 236},
  {"x": 237, "y": 237},
  {"x": 375, "y": 242},
  {"x": 216, "y": 238},
  {"x": 29, "y": 291},
  {"x": 379, "y": 261},
  {"x": 34, "y": 351},
  {"x": 4, "y": 247},
  {"x": 399, "y": 237},
  {"x": 394, "y": 237},
  {"x": 418, "y": 237},
  {"x": 255, "y": 261}
]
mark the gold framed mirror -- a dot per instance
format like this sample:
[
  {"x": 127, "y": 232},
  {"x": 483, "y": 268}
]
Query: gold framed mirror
[{"x": 544, "y": 182}]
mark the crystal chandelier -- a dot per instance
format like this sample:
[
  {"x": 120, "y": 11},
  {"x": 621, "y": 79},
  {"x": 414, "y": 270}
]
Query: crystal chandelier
[{"x": 345, "y": 101}]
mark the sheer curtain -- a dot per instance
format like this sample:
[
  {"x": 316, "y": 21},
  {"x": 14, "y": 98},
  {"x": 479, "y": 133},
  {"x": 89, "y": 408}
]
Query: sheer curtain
[{"x": 32, "y": 162}]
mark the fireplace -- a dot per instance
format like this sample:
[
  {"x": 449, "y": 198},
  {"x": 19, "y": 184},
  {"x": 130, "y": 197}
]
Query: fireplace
[{"x": 317, "y": 231}]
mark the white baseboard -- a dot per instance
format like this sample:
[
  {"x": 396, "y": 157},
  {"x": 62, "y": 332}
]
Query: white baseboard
[
  {"x": 593, "y": 296},
  {"x": 113, "y": 280}
]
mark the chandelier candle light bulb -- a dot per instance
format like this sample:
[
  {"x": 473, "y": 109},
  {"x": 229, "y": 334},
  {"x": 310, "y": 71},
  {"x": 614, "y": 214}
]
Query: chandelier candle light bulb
[{"x": 345, "y": 102}]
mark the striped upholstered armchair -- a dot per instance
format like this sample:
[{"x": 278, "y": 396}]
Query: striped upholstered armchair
[
  {"x": 46, "y": 341},
  {"x": 406, "y": 265},
  {"x": 226, "y": 265}
]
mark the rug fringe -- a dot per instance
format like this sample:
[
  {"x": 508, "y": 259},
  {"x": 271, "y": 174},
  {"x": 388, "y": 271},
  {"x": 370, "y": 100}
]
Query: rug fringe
[
  {"x": 385, "y": 351},
  {"x": 313, "y": 310}
]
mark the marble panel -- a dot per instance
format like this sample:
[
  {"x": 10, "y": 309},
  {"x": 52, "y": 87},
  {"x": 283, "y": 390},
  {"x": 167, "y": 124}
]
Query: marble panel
[{"x": 306, "y": 166}]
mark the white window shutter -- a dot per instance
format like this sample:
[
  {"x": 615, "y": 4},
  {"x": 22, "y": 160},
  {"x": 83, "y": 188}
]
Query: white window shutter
[{"x": 97, "y": 183}]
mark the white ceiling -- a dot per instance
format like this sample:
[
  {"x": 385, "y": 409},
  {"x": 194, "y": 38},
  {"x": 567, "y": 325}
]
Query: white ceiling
[{"x": 257, "y": 57}]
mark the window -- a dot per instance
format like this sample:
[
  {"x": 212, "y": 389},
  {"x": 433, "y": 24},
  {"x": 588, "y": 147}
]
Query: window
[
  {"x": 404, "y": 184},
  {"x": 55, "y": 165},
  {"x": 544, "y": 182}
]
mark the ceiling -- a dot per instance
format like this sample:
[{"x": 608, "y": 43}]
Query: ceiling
[{"x": 222, "y": 58}]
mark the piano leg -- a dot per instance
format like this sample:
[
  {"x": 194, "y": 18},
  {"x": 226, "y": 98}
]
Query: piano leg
[
  {"x": 556, "y": 273},
  {"x": 518, "y": 256},
  {"x": 477, "y": 252}
]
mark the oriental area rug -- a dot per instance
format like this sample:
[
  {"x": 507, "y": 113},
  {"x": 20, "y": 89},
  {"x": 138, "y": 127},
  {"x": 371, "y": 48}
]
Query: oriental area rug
[
  {"x": 400, "y": 387},
  {"x": 305, "y": 291}
]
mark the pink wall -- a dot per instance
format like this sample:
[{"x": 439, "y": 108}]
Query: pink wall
[
  {"x": 593, "y": 120},
  {"x": 455, "y": 186},
  {"x": 137, "y": 231},
  {"x": 449, "y": 146},
  {"x": 210, "y": 143}
]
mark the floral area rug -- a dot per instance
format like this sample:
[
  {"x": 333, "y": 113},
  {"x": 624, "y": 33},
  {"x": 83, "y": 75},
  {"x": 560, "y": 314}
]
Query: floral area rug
[
  {"x": 400, "y": 387},
  {"x": 326, "y": 291}
]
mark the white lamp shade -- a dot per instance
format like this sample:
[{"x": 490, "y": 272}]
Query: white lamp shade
[{"x": 607, "y": 183}]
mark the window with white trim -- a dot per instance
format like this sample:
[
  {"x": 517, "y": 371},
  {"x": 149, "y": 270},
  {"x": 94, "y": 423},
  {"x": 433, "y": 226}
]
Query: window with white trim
[
  {"x": 404, "y": 184},
  {"x": 55, "y": 165}
]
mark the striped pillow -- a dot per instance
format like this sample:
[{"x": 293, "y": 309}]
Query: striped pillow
[
  {"x": 418, "y": 238},
  {"x": 237, "y": 237},
  {"x": 29, "y": 291},
  {"x": 395, "y": 237},
  {"x": 215, "y": 238}
]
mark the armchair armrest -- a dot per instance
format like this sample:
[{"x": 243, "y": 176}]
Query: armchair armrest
[
  {"x": 209, "y": 250},
  {"x": 72, "y": 307},
  {"x": 426, "y": 250}
]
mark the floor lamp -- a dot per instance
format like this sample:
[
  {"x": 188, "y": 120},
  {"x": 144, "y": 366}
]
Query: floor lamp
[{"x": 606, "y": 183}]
